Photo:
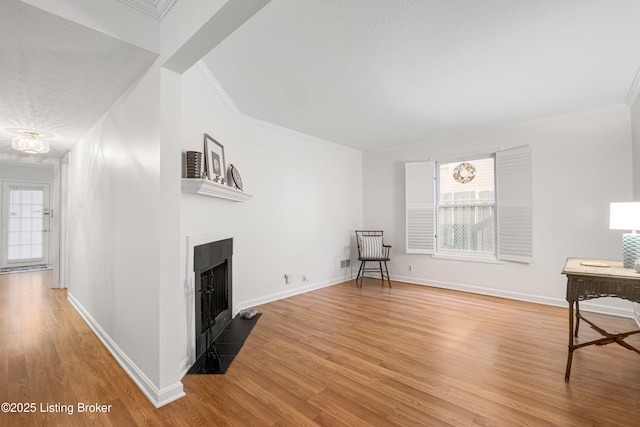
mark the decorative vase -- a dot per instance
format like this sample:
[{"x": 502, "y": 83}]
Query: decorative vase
[{"x": 194, "y": 164}]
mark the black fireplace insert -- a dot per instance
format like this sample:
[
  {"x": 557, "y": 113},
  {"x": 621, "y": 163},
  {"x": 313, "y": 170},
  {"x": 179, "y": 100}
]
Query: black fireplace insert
[{"x": 213, "y": 305}]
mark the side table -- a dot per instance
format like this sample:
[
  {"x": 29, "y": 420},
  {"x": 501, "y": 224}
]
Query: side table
[{"x": 588, "y": 279}]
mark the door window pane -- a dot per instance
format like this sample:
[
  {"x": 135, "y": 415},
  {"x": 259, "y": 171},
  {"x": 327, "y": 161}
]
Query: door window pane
[
  {"x": 14, "y": 252},
  {"x": 25, "y": 238},
  {"x": 36, "y": 238},
  {"x": 25, "y": 251},
  {"x": 37, "y": 198},
  {"x": 36, "y": 251},
  {"x": 14, "y": 238},
  {"x": 25, "y": 225}
]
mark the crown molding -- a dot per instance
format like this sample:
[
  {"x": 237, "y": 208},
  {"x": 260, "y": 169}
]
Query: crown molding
[
  {"x": 205, "y": 72},
  {"x": 154, "y": 8}
]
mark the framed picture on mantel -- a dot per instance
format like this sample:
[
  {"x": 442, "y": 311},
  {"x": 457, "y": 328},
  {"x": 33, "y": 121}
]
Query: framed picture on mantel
[{"x": 214, "y": 160}]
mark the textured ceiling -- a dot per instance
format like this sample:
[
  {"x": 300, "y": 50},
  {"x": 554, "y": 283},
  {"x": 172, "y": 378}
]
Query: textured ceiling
[
  {"x": 57, "y": 76},
  {"x": 364, "y": 73},
  {"x": 370, "y": 74}
]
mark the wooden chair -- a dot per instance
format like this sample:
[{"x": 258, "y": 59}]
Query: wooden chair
[{"x": 372, "y": 248}]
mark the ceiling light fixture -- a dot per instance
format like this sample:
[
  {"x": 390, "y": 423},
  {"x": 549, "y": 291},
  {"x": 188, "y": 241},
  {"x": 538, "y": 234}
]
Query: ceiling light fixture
[{"x": 30, "y": 142}]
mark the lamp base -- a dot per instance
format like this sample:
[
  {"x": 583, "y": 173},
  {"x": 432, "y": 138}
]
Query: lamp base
[{"x": 630, "y": 249}]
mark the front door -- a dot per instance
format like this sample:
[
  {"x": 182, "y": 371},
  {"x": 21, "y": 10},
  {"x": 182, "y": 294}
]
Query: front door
[{"x": 25, "y": 224}]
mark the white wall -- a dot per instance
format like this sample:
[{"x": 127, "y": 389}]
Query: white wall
[
  {"x": 21, "y": 171},
  {"x": 114, "y": 238},
  {"x": 307, "y": 199},
  {"x": 581, "y": 163},
  {"x": 635, "y": 135}
]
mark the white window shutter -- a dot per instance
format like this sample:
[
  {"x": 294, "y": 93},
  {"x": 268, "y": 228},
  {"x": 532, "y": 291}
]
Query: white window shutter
[
  {"x": 513, "y": 191},
  {"x": 420, "y": 211}
]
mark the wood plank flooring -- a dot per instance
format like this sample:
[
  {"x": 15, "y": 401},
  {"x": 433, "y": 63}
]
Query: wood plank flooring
[{"x": 370, "y": 356}]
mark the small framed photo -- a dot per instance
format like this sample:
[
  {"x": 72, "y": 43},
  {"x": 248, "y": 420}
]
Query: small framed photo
[{"x": 214, "y": 160}]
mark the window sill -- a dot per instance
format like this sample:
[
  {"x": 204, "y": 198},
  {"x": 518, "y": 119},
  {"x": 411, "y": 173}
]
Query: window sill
[{"x": 487, "y": 259}]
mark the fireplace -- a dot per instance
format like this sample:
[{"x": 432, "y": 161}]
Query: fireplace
[{"x": 213, "y": 290}]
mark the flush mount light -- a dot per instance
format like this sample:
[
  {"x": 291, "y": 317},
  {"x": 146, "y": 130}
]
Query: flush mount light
[{"x": 30, "y": 142}]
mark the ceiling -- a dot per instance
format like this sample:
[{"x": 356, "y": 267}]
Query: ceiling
[
  {"x": 364, "y": 73},
  {"x": 58, "y": 77},
  {"x": 369, "y": 74}
]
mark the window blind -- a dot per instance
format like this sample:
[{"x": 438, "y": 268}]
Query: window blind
[
  {"x": 514, "y": 217},
  {"x": 420, "y": 211}
]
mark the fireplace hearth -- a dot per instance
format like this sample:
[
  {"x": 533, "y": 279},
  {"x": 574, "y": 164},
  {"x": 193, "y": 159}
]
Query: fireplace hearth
[{"x": 218, "y": 337}]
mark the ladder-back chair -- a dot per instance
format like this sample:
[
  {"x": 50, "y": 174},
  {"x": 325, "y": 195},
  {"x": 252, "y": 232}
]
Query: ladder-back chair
[{"x": 372, "y": 248}]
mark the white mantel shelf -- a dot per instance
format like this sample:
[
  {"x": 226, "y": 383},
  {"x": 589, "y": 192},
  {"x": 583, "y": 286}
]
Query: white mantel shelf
[{"x": 209, "y": 188}]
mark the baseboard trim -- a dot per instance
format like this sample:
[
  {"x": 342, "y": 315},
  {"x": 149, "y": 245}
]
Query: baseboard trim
[
  {"x": 289, "y": 293},
  {"x": 169, "y": 394},
  {"x": 592, "y": 306},
  {"x": 158, "y": 397}
]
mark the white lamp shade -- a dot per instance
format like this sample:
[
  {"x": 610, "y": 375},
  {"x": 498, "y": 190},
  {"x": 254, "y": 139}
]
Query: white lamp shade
[{"x": 625, "y": 216}]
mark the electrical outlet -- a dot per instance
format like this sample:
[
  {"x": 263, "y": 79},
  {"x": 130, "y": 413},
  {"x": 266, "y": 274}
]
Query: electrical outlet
[
  {"x": 410, "y": 268},
  {"x": 287, "y": 278},
  {"x": 304, "y": 278}
]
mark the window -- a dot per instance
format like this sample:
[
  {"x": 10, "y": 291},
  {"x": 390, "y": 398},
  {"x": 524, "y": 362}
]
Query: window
[
  {"x": 465, "y": 203},
  {"x": 487, "y": 216}
]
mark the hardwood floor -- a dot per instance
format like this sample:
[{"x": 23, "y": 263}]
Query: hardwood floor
[{"x": 343, "y": 355}]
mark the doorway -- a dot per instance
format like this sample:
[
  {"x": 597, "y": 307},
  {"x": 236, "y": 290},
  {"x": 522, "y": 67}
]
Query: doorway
[{"x": 26, "y": 219}]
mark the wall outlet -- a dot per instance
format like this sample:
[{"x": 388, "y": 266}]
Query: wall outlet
[
  {"x": 287, "y": 278},
  {"x": 304, "y": 278},
  {"x": 410, "y": 268}
]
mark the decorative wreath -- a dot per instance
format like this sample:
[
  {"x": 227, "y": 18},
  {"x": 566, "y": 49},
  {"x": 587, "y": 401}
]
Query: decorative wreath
[{"x": 464, "y": 172}]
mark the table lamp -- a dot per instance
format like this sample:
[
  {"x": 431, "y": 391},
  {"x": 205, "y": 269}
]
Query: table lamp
[{"x": 626, "y": 216}]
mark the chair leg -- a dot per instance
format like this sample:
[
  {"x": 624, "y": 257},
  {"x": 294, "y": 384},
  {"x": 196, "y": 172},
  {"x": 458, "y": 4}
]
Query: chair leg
[
  {"x": 360, "y": 272},
  {"x": 381, "y": 272},
  {"x": 387, "y": 269}
]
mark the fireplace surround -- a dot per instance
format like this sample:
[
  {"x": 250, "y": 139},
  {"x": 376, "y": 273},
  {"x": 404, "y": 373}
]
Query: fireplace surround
[
  {"x": 212, "y": 266},
  {"x": 208, "y": 255},
  {"x": 208, "y": 269}
]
